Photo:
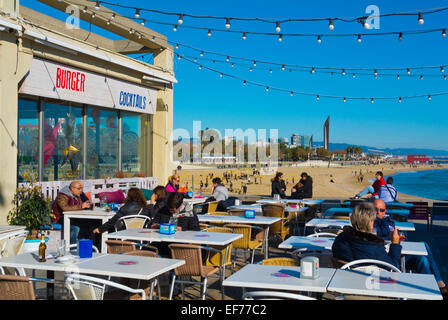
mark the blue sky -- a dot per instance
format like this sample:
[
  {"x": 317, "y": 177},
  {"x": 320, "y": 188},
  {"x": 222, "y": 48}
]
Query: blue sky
[{"x": 224, "y": 103}]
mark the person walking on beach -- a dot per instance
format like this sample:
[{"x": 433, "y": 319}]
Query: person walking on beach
[
  {"x": 244, "y": 188},
  {"x": 374, "y": 188},
  {"x": 361, "y": 177}
]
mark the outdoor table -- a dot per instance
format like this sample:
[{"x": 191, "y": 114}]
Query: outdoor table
[
  {"x": 307, "y": 202},
  {"x": 115, "y": 265},
  {"x": 394, "y": 204},
  {"x": 258, "y": 220},
  {"x": 257, "y": 208},
  {"x": 400, "y": 212},
  {"x": 196, "y": 200},
  {"x": 9, "y": 229},
  {"x": 278, "y": 278},
  {"x": 96, "y": 213},
  {"x": 322, "y": 223},
  {"x": 385, "y": 284}
]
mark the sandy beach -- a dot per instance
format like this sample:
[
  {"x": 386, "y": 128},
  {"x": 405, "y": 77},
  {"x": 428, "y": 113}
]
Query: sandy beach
[{"x": 345, "y": 183}]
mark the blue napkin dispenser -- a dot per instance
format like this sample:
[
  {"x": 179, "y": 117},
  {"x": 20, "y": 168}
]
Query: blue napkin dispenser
[
  {"x": 167, "y": 228},
  {"x": 113, "y": 206},
  {"x": 85, "y": 248},
  {"x": 249, "y": 214}
]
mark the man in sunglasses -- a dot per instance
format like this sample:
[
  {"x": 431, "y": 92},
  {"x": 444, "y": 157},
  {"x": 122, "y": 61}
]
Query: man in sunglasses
[{"x": 384, "y": 225}]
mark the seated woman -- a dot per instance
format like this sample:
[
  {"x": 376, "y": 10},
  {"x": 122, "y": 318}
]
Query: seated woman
[
  {"x": 173, "y": 184},
  {"x": 158, "y": 200},
  {"x": 278, "y": 186},
  {"x": 304, "y": 188},
  {"x": 358, "y": 241},
  {"x": 187, "y": 220},
  {"x": 374, "y": 188},
  {"x": 134, "y": 204}
]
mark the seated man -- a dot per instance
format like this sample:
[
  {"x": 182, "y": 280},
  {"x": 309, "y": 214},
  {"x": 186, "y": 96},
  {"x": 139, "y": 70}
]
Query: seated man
[
  {"x": 421, "y": 264},
  {"x": 69, "y": 199},
  {"x": 358, "y": 242},
  {"x": 387, "y": 192}
]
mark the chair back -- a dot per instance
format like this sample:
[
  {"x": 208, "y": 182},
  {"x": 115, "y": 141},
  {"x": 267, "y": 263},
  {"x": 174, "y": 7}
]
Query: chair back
[
  {"x": 325, "y": 257},
  {"x": 327, "y": 204},
  {"x": 134, "y": 221},
  {"x": 192, "y": 256},
  {"x": 119, "y": 246},
  {"x": 11, "y": 246},
  {"x": 245, "y": 230},
  {"x": 355, "y": 202},
  {"x": 213, "y": 258},
  {"x": 212, "y": 205},
  {"x": 16, "y": 288},
  {"x": 217, "y": 213},
  {"x": 276, "y": 210},
  {"x": 236, "y": 212},
  {"x": 85, "y": 290},
  {"x": 323, "y": 235},
  {"x": 329, "y": 229},
  {"x": 340, "y": 217},
  {"x": 370, "y": 265},
  {"x": 283, "y": 261},
  {"x": 420, "y": 210}
]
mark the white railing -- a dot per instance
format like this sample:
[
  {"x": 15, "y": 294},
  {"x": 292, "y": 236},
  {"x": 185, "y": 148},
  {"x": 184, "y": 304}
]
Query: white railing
[{"x": 51, "y": 188}]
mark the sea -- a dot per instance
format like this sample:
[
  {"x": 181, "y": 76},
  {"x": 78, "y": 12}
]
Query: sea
[{"x": 431, "y": 184}]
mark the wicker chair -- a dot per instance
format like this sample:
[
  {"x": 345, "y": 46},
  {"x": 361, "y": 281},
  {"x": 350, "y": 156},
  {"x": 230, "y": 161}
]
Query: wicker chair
[
  {"x": 147, "y": 286},
  {"x": 120, "y": 246},
  {"x": 16, "y": 288},
  {"x": 217, "y": 213},
  {"x": 193, "y": 267},
  {"x": 245, "y": 243},
  {"x": 278, "y": 211},
  {"x": 212, "y": 205},
  {"x": 216, "y": 259},
  {"x": 287, "y": 262}
]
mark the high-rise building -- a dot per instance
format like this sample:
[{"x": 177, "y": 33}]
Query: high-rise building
[
  {"x": 327, "y": 134},
  {"x": 296, "y": 140}
]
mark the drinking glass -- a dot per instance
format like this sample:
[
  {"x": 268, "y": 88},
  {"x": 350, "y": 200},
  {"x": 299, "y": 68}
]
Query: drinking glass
[{"x": 61, "y": 248}]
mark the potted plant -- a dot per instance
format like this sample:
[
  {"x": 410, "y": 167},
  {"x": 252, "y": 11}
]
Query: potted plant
[{"x": 32, "y": 210}]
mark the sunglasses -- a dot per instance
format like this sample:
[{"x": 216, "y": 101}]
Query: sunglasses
[{"x": 380, "y": 210}]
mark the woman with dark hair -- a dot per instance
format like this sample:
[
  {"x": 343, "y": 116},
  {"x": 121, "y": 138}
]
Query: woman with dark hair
[
  {"x": 134, "y": 204},
  {"x": 374, "y": 188},
  {"x": 304, "y": 188},
  {"x": 219, "y": 191},
  {"x": 158, "y": 200},
  {"x": 278, "y": 185}
]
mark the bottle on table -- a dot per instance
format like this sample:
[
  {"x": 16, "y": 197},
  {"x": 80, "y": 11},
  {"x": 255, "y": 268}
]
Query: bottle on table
[{"x": 42, "y": 248}]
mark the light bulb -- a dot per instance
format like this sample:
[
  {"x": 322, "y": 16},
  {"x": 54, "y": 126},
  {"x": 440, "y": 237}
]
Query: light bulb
[
  {"x": 227, "y": 23},
  {"x": 317, "y": 97},
  {"x": 345, "y": 100},
  {"x": 365, "y": 24},
  {"x": 108, "y": 21},
  {"x": 93, "y": 15},
  {"x": 181, "y": 19},
  {"x": 179, "y": 57},
  {"x": 442, "y": 69},
  {"x": 177, "y": 46},
  {"x": 84, "y": 10},
  {"x": 408, "y": 71},
  {"x": 277, "y": 27},
  {"x": 283, "y": 67},
  {"x": 97, "y": 5},
  {"x": 292, "y": 93},
  {"x": 137, "y": 13},
  {"x": 343, "y": 72},
  {"x": 421, "y": 77},
  {"x": 399, "y": 100},
  {"x": 244, "y": 82},
  {"x": 131, "y": 31},
  {"x": 319, "y": 40},
  {"x": 375, "y": 73},
  {"x": 429, "y": 97},
  {"x": 331, "y": 25},
  {"x": 371, "y": 101},
  {"x": 202, "y": 53},
  {"x": 354, "y": 76},
  {"x": 228, "y": 58},
  {"x": 398, "y": 77},
  {"x": 267, "y": 89},
  {"x": 221, "y": 75},
  {"x": 400, "y": 36},
  {"x": 312, "y": 70},
  {"x": 255, "y": 63},
  {"x": 444, "y": 33},
  {"x": 270, "y": 71},
  {"x": 209, "y": 32},
  {"x": 200, "y": 67},
  {"x": 175, "y": 28},
  {"x": 139, "y": 36},
  {"x": 244, "y": 35},
  {"x": 250, "y": 69},
  {"x": 359, "y": 38},
  {"x": 420, "y": 19},
  {"x": 233, "y": 65},
  {"x": 113, "y": 16},
  {"x": 280, "y": 38},
  {"x": 195, "y": 59}
]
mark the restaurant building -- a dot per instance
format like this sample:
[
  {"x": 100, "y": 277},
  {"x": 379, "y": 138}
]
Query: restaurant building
[{"x": 73, "y": 105}]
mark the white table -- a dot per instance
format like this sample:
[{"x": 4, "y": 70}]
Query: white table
[
  {"x": 400, "y": 212},
  {"x": 194, "y": 201},
  {"x": 307, "y": 202},
  {"x": 278, "y": 278},
  {"x": 309, "y": 243},
  {"x": 8, "y": 229},
  {"x": 258, "y": 220},
  {"x": 257, "y": 208},
  {"x": 134, "y": 267},
  {"x": 385, "y": 284},
  {"x": 322, "y": 223},
  {"x": 98, "y": 213}
]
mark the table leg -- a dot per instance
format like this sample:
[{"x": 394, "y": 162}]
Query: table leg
[
  {"x": 66, "y": 235},
  {"x": 104, "y": 238},
  {"x": 266, "y": 243},
  {"x": 50, "y": 286},
  {"x": 403, "y": 264}
]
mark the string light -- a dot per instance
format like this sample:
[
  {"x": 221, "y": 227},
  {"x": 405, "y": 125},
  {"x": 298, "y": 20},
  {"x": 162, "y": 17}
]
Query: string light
[
  {"x": 112, "y": 17},
  {"x": 371, "y": 100},
  {"x": 175, "y": 28},
  {"x": 444, "y": 33},
  {"x": 84, "y": 10},
  {"x": 283, "y": 67},
  {"x": 442, "y": 69},
  {"x": 227, "y": 23},
  {"x": 398, "y": 77},
  {"x": 420, "y": 19},
  {"x": 267, "y": 89},
  {"x": 343, "y": 72},
  {"x": 359, "y": 38},
  {"x": 255, "y": 63},
  {"x": 108, "y": 22},
  {"x": 319, "y": 40},
  {"x": 97, "y": 5},
  {"x": 137, "y": 13},
  {"x": 444, "y": 77},
  {"x": 244, "y": 82},
  {"x": 270, "y": 71},
  {"x": 400, "y": 37},
  {"x": 181, "y": 19},
  {"x": 345, "y": 99},
  {"x": 429, "y": 97},
  {"x": 408, "y": 71},
  {"x": 178, "y": 57},
  {"x": 399, "y": 100},
  {"x": 228, "y": 58},
  {"x": 365, "y": 24},
  {"x": 375, "y": 73},
  {"x": 421, "y": 77},
  {"x": 280, "y": 38},
  {"x": 233, "y": 65},
  {"x": 331, "y": 25},
  {"x": 353, "y": 76},
  {"x": 244, "y": 35},
  {"x": 202, "y": 53},
  {"x": 250, "y": 69},
  {"x": 93, "y": 15},
  {"x": 209, "y": 32},
  {"x": 200, "y": 67},
  {"x": 221, "y": 75},
  {"x": 312, "y": 70},
  {"x": 292, "y": 93},
  {"x": 143, "y": 22},
  {"x": 277, "y": 27},
  {"x": 317, "y": 97},
  {"x": 131, "y": 31},
  {"x": 177, "y": 46}
]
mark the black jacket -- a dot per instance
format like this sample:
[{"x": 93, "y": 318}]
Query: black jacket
[
  {"x": 304, "y": 192},
  {"x": 130, "y": 208},
  {"x": 154, "y": 208},
  {"x": 190, "y": 223},
  {"x": 277, "y": 187},
  {"x": 353, "y": 245}
]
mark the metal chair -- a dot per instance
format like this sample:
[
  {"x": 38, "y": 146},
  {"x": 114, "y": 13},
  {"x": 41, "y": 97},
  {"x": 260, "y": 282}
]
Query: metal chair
[
  {"x": 322, "y": 234},
  {"x": 370, "y": 265},
  {"x": 12, "y": 243},
  {"x": 329, "y": 229},
  {"x": 75, "y": 246},
  {"x": 245, "y": 243},
  {"x": 90, "y": 288},
  {"x": 214, "y": 259},
  {"x": 14, "y": 287},
  {"x": 121, "y": 246},
  {"x": 136, "y": 221},
  {"x": 193, "y": 267},
  {"x": 274, "y": 295},
  {"x": 282, "y": 261},
  {"x": 420, "y": 211},
  {"x": 276, "y": 210}
]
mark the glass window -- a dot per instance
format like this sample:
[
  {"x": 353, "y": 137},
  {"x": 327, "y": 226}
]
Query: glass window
[
  {"x": 102, "y": 144},
  {"x": 62, "y": 142},
  {"x": 28, "y": 140},
  {"x": 134, "y": 144}
]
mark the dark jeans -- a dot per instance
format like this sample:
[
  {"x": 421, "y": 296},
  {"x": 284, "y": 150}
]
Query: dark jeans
[{"x": 424, "y": 264}]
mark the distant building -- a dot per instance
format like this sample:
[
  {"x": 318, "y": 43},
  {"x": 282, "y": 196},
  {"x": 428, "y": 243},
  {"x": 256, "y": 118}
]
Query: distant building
[
  {"x": 418, "y": 159},
  {"x": 327, "y": 134},
  {"x": 298, "y": 140}
]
